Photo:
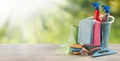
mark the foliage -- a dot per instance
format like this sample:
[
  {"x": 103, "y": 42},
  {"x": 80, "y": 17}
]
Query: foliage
[{"x": 54, "y": 26}]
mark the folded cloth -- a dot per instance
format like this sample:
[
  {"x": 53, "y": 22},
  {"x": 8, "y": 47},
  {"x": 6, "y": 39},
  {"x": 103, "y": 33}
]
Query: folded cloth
[
  {"x": 96, "y": 34},
  {"x": 85, "y": 34}
]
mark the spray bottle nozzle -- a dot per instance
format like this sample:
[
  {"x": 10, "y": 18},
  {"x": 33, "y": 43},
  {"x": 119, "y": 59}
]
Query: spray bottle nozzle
[
  {"x": 96, "y": 5},
  {"x": 106, "y": 8}
]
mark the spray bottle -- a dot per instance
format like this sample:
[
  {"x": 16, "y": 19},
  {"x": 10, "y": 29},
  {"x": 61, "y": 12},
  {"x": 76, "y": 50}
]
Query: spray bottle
[
  {"x": 107, "y": 11},
  {"x": 105, "y": 27},
  {"x": 96, "y": 35},
  {"x": 96, "y": 5}
]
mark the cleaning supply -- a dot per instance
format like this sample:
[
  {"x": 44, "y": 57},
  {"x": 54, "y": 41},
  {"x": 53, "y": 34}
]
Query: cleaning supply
[
  {"x": 90, "y": 52},
  {"x": 76, "y": 53},
  {"x": 76, "y": 49},
  {"x": 103, "y": 52},
  {"x": 105, "y": 29},
  {"x": 105, "y": 26},
  {"x": 107, "y": 11},
  {"x": 85, "y": 33},
  {"x": 96, "y": 5},
  {"x": 76, "y": 45},
  {"x": 96, "y": 34}
]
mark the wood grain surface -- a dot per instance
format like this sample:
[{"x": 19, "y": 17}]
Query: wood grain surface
[{"x": 46, "y": 52}]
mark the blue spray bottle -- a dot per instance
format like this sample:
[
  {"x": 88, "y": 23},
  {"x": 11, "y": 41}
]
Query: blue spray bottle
[
  {"x": 105, "y": 26},
  {"x": 107, "y": 11}
]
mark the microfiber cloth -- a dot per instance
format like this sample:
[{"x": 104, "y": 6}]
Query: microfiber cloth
[
  {"x": 85, "y": 34},
  {"x": 96, "y": 34}
]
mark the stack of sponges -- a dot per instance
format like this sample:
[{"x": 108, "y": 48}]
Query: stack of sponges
[
  {"x": 76, "y": 49},
  {"x": 79, "y": 49}
]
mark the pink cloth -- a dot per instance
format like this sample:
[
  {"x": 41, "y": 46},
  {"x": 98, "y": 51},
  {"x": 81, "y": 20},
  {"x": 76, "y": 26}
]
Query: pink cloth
[{"x": 96, "y": 34}]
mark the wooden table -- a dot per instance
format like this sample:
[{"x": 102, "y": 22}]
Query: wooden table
[{"x": 46, "y": 52}]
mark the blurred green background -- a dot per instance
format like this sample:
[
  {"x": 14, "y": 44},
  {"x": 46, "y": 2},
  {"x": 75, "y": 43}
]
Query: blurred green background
[{"x": 49, "y": 21}]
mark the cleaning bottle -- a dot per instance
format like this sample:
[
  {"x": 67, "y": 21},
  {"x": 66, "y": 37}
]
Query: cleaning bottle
[
  {"x": 105, "y": 26},
  {"x": 96, "y": 5},
  {"x": 107, "y": 11},
  {"x": 96, "y": 28}
]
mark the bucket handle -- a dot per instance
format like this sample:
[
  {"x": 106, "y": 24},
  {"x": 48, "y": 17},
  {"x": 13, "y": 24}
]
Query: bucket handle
[{"x": 110, "y": 17}]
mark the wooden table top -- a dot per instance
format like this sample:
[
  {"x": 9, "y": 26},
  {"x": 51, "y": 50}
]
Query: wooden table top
[{"x": 46, "y": 52}]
